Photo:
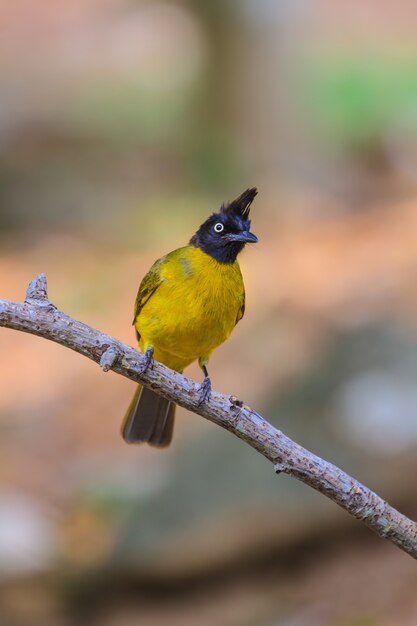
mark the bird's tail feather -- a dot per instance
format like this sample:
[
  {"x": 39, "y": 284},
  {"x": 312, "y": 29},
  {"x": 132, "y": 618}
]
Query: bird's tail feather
[{"x": 149, "y": 418}]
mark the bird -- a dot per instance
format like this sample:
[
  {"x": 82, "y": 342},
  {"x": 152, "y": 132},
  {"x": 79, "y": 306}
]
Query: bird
[{"x": 187, "y": 305}]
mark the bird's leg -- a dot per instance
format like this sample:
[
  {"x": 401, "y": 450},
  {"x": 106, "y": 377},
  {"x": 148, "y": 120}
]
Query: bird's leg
[
  {"x": 205, "y": 387},
  {"x": 149, "y": 361}
]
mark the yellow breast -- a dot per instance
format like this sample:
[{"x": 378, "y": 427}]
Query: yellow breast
[{"x": 194, "y": 308}]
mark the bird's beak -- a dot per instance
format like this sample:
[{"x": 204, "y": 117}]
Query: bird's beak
[{"x": 245, "y": 237}]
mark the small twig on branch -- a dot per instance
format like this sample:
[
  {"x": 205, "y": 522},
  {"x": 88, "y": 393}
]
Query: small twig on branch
[{"x": 39, "y": 317}]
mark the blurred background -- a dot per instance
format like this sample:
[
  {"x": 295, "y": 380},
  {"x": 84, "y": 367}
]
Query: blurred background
[{"x": 123, "y": 123}]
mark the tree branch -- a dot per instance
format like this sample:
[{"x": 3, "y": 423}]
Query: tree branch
[{"x": 39, "y": 317}]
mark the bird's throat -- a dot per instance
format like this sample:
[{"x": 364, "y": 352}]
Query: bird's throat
[{"x": 223, "y": 254}]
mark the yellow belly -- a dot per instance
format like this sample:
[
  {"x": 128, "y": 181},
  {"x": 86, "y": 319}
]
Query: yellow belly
[{"x": 194, "y": 309}]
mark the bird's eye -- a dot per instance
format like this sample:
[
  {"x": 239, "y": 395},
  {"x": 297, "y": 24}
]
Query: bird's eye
[{"x": 218, "y": 227}]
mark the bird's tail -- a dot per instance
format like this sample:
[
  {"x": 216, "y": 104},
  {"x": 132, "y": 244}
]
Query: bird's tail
[{"x": 149, "y": 418}]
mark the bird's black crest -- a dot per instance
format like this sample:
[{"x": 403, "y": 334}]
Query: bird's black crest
[{"x": 240, "y": 206}]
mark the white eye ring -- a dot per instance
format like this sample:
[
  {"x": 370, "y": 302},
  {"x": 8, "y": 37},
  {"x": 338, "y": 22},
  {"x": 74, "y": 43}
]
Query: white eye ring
[{"x": 218, "y": 227}]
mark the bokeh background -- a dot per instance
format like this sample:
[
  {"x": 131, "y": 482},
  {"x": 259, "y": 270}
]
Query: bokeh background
[{"x": 122, "y": 124}]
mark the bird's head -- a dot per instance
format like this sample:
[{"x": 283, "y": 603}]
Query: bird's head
[{"x": 224, "y": 234}]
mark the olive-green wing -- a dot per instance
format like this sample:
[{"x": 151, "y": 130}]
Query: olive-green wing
[
  {"x": 241, "y": 311},
  {"x": 148, "y": 286}
]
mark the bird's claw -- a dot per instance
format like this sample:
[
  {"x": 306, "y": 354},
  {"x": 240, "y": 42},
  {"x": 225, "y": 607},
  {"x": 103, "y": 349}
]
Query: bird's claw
[
  {"x": 204, "y": 390},
  {"x": 149, "y": 360}
]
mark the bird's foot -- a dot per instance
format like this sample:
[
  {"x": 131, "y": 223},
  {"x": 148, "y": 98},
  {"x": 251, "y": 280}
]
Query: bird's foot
[
  {"x": 149, "y": 360},
  {"x": 204, "y": 390}
]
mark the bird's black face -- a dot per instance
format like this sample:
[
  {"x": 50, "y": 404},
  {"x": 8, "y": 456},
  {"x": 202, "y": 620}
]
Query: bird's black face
[{"x": 224, "y": 234}]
